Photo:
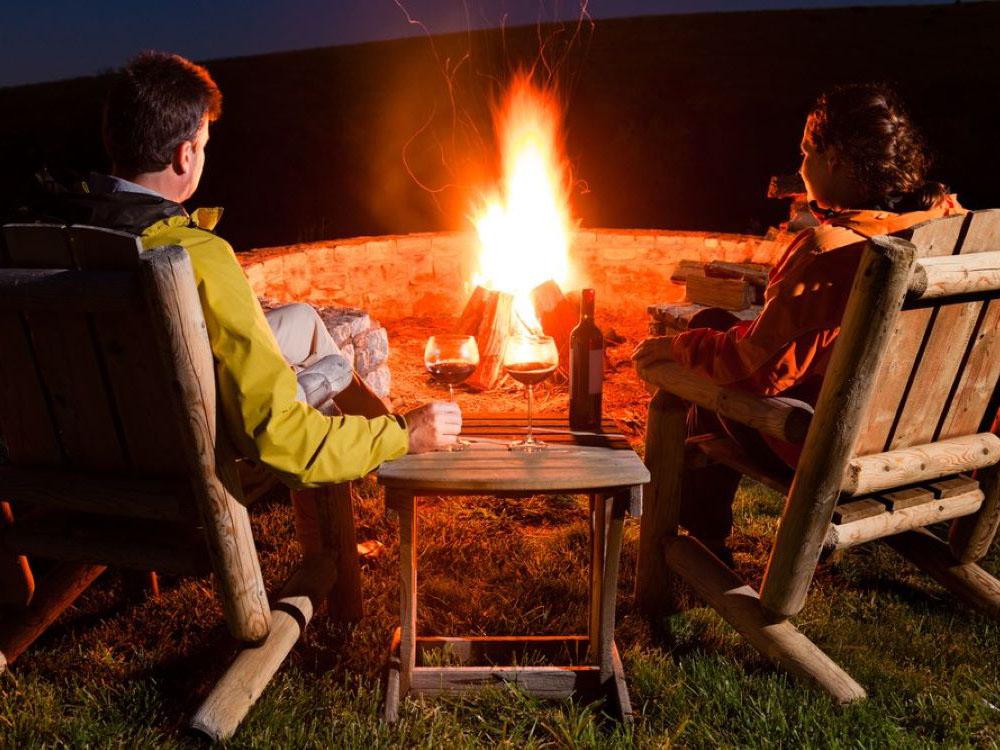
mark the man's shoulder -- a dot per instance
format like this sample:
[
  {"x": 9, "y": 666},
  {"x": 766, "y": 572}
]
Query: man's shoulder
[{"x": 180, "y": 230}]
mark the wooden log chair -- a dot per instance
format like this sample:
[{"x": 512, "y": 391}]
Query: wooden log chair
[
  {"x": 903, "y": 436},
  {"x": 108, "y": 412}
]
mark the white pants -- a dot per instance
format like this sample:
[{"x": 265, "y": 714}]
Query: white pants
[
  {"x": 323, "y": 374},
  {"x": 306, "y": 344}
]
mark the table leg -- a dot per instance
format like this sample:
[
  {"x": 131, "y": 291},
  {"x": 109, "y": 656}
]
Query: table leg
[
  {"x": 405, "y": 638},
  {"x": 609, "y": 588},
  {"x": 612, "y": 674},
  {"x": 408, "y": 589},
  {"x": 598, "y": 537}
]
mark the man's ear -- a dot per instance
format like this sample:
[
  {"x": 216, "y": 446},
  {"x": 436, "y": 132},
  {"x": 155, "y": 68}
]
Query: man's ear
[{"x": 183, "y": 158}]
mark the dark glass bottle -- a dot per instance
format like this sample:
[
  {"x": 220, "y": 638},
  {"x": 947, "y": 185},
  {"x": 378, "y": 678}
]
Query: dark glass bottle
[{"x": 586, "y": 369}]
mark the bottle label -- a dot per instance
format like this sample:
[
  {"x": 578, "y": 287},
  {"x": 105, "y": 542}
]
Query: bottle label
[{"x": 596, "y": 371}]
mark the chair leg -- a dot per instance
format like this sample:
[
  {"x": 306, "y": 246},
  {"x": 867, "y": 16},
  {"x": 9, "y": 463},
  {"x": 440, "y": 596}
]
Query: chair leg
[
  {"x": 17, "y": 584},
  {"x": 324, "y": 524},
  {"x": 239, "y": 688},
  {"x": 971, "y": 536},
  {"x": 56, "y": 591},
  {"x": 666, "y": 431},
  {"x": 967, "y": 581},
  {"x": 233, "y": 553},
  {"x": 740, "y": 606}
]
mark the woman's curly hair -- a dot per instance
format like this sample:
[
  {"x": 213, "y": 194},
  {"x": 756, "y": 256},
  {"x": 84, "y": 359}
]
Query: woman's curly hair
[{"x": 875, "y": 136}]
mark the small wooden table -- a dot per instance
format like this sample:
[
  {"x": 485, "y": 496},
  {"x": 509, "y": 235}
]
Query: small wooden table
[{"x": 600, "y": 465}]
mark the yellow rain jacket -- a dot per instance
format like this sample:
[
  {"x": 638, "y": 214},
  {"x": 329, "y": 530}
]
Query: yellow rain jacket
[{"x": 257, "y": 387}]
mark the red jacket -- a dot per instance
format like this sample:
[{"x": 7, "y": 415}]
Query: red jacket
[{"x": 786, "y": 349}]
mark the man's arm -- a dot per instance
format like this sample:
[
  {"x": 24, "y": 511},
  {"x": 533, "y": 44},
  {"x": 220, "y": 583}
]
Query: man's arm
[{"x": 257, "y": 388}]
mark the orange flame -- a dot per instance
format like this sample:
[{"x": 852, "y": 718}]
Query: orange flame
[{"x": 524, "y": 230}]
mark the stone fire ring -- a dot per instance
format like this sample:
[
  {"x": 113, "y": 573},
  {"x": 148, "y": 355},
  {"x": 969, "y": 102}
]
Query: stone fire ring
[{"x": 429, "y": 274}]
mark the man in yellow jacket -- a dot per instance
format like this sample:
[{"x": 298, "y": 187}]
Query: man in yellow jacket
[{"x": 156, "y": 127}]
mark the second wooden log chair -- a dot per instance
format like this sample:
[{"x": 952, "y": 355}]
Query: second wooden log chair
[
  {"x": 922, "y": 331},
  {"x": 108, "y": 412}
]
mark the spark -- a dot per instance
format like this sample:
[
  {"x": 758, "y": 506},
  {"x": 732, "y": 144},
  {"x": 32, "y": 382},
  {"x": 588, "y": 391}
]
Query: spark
[{"x": 461, "y": 73}]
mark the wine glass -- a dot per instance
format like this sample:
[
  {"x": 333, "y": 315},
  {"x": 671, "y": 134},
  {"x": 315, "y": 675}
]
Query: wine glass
[
  {"x": 529, "y": 359},
  {"x": 450, "y": 359}
]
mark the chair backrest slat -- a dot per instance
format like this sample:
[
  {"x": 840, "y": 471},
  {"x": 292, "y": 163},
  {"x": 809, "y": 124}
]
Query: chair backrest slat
[
  {"x": 37, "y": 246},
  {"x": 139, "y": 393},
  {"x": 97, "y": 249},
  {"x": 970, "y": 403},
  {"x": 25, "y": 413},
  {"x": 71, "y": 372},
  {"x": 925, "y": 377}
]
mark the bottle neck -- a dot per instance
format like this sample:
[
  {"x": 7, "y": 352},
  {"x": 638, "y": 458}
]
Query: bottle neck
[{"x": 587, "y": 305}]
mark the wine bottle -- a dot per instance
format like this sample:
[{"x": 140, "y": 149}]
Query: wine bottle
[{"x": 586, "y": 369}]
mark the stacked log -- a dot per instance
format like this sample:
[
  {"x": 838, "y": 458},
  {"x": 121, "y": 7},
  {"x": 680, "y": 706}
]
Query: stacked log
[
  {"x": 737, "y": 284},
  {"x": 363, "y": 341},
  {"x": 729, "y": 294},
  {"x": 718, "y": 294}
]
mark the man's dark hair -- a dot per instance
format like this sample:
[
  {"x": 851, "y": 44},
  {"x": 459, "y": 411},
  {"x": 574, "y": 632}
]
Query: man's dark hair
[{"x": 156, "y": 102}]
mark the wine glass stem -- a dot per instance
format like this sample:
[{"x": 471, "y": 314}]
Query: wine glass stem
[
  {"x": 531, "y": 398},
  {"x": 451, "y": 393}
]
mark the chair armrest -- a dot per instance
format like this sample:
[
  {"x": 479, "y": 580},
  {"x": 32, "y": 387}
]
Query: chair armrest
[{"x": 783, "y": 418}]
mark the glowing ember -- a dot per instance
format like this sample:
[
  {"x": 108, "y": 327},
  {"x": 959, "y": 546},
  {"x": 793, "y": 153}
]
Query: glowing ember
[{"x": 524, "y": 231}]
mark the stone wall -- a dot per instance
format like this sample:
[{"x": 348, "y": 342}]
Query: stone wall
[{"x": 429, "y": 274}]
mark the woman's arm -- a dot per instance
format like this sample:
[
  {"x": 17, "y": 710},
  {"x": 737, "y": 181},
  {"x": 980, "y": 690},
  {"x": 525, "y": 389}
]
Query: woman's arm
[{"x": 804, "y": 303}]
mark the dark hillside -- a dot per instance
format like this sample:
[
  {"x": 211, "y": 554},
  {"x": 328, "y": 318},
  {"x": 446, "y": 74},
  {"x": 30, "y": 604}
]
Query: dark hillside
[{"x": 675, "y": 121}]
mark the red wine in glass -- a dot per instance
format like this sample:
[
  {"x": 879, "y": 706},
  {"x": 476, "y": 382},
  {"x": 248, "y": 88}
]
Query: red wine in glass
[
  {"x": 451, "y": 372},
  {"x": 450, "y": 359},
  {"x": 530, "y": 373},
  {"x": 529, "y": 359}
]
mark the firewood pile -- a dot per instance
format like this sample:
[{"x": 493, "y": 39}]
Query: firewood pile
[
  {"x": 717, "y": 292},
  {"x": 363, "y": 341}
]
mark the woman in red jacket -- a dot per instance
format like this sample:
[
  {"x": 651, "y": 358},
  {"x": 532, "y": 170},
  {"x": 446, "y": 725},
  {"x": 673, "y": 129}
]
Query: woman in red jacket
[{"x": 864, "y": 166}]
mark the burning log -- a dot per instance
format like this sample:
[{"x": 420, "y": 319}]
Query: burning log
[
  {"x": 487, "y": 316},
  {"x": 472, "y": 315},
  {"x": 558, "y": 317}
]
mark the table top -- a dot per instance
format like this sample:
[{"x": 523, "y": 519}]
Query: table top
[{"x": 574, "y": 462}]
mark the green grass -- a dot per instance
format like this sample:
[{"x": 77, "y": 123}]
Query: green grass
[{"x": 121, "y": 670}]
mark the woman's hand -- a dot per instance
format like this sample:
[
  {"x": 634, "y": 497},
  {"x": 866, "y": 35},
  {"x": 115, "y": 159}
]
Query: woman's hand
[{"x": 653, "y": 349}]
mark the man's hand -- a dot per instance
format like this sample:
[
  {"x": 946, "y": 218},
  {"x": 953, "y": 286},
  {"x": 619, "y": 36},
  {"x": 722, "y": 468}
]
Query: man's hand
[
  {"x": 433, "y": 426},
  {"x": 653, "y": 349}
]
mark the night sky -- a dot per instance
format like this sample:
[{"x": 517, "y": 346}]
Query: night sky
[{"x": 44, "y": 40}]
